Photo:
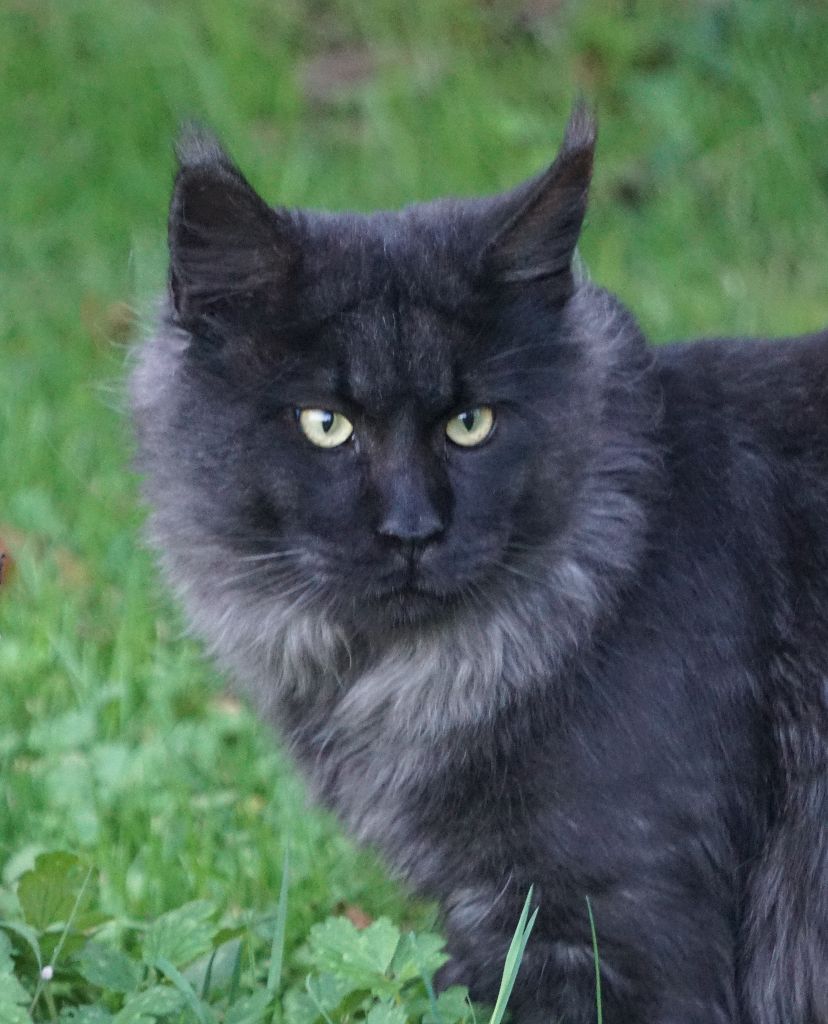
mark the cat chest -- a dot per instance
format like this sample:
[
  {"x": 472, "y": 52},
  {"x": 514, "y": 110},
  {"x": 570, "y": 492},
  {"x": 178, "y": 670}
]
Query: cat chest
[
  {"x": 424, "y": 803},
  {"x": 564, "y": 809}
]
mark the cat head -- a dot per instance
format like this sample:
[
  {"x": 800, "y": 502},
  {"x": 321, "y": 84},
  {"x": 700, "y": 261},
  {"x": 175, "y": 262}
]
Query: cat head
[{"x": 385, "y": 418}]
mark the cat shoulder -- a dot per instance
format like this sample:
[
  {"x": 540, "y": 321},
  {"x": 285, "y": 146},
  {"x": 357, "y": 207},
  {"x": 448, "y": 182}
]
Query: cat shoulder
[{"x": 771, "y": 391}]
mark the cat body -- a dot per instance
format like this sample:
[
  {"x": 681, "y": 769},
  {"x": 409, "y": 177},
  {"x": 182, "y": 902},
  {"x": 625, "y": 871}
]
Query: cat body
[{"x": 586, "y": 652}]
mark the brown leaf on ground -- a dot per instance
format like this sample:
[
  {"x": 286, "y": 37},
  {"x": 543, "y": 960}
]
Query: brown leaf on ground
[
  {"x": 120, "y": 321},
  {"x": 11, "y": 539},
  {"x": 73, "y": 571},
  {"x": 357, "y": 916},
  {"x": 14, "y": 538},
  {"x": 232, "y": 707},
  {"x": 327, "y": 76},
  {"x": 532, "y": 13},
  {"x": 6, "y": 565},
  {"x": 107, "y": 323}
]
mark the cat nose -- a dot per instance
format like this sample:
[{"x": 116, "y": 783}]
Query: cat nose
[
  {"x": 409, "y": 516},
  {"x": 408, "y": 526}
]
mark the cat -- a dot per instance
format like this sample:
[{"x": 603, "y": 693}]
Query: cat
[{"x": 531, "y": 601}]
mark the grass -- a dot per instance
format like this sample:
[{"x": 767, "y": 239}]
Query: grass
[{"x": 709, "y": 215}]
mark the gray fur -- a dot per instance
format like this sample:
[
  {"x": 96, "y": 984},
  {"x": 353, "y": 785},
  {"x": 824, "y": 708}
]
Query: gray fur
[{"x": 609, "y": 679}]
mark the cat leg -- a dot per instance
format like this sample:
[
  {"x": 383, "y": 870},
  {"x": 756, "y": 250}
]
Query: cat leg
[
  {"x": 784, "y": 976},
  {"x": 785, "y": 972},
  {"x": 556, "y": 984}
]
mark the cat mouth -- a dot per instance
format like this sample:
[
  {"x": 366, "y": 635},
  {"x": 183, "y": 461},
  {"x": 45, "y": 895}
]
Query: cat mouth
[
  {"x": 409, "y": 582},
  {"x": 409, "y": 594},
  {"x": 412, "y": 600},
  {"x": 409, "y": 605},
  {"x": 408, "y": 589}
]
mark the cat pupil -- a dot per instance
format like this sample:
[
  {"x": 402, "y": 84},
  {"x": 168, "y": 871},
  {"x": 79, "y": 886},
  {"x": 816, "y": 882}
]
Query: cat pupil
[
  {"x": 327, "y": 420},
  {"x": 467, "y": 419}
]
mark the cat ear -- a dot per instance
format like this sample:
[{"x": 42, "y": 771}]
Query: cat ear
[
  {"x": 537, "y": 226},
  {"x": 225, "y": 242}
]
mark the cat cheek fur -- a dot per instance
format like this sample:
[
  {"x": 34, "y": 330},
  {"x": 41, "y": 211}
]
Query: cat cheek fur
[{"x": 629, "y": 701}]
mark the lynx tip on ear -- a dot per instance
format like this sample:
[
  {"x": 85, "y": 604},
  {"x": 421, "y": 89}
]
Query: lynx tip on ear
[
  {"x": 196, "y": 146},
  {"x": 581, "y": 128}
]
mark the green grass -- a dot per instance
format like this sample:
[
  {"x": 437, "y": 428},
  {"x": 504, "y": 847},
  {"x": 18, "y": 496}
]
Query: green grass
[{"x": 709, "y": 215}]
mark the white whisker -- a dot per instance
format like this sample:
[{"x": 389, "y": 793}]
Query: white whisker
[{"x": 273, "y": 555}]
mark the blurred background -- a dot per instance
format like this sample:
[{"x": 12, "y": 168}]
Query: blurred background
[{"x": 709, "y": 215}]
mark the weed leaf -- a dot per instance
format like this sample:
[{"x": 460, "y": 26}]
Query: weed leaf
[
  {"x": 323, "y": 995},
  {"x": 13, "y": 1014},
  {"x": 28, "y": 935},
  {"x": 12, "y": 997},
  {"x": 85, "y": 1015},
  {"x": 452, "y": 1005},
  {"x": 365, "y": 955},
  {"x": 180, "y": 935},
  {"x": 152, "y": 1003},
  {"x": 386, "y": 1013},
  {"x": 418, "y": 956},
  {"x": 50, "y": 891},
  {"x": 6, "y": 961},
  {"x": 250, "y": 1010},
  {"x": 108, "y": 968}
]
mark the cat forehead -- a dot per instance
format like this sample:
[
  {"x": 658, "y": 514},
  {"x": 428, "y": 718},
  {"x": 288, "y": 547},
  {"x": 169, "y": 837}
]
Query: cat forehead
[
  {"x": 393, "y": 303},
  {"x": 387, "y": 349},
  {"x": 420, "y": 255}
]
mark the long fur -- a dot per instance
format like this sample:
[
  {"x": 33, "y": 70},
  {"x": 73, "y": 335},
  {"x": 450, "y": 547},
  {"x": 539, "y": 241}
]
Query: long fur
[{"x": 631, "y": 703}]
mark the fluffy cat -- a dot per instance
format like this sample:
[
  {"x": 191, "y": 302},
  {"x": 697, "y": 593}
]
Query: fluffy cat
[{"x": 530, "y": 601}]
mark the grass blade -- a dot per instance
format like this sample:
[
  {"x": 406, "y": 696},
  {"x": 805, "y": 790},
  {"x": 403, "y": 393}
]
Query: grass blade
[
  {"x": 513, "y": 960},
  {"x": 171, "y": 972},
  {"x": 235, "y": 977},
  {"x": 277, "y": 949},
  {"x": 208, "y": 977},
  {"x": 598, "y": 1008}
]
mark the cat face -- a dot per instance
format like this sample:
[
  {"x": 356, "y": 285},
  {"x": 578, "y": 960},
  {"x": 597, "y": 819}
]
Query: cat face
[{"x": 379, "y": 416}]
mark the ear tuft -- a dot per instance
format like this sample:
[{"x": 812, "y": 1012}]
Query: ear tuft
[
  {"x": 581, "y": 128},
  {"x": 538, "y": 224},
  {"x": 197, "y": 146},
  {"x": 225, "y": 242}
]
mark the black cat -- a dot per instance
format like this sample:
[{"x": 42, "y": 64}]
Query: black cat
[{"x": 530, "y": 601}]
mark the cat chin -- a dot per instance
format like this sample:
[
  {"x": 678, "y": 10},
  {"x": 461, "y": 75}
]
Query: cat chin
[{"x": 409, "y": 606}]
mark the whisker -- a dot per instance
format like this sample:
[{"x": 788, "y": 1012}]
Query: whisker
[
  {"x": 273, "y": 555},
  {"x": 516, "y": 350},
  {"x": 302, "y": 594},
  {"x": 519, "y": 573},
  {"x": 266, "y": 573},
  {"x": 478, "y": 599}
]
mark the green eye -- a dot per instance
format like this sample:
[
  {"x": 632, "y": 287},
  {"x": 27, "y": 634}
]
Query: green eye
[
  {"x": 471, "y": 427},
  {"x": 325, "y": 428}
]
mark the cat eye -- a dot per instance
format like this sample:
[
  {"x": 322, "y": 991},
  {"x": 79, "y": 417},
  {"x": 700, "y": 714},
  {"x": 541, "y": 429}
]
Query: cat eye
[
  {"x": 471, "y": 427},
  {"x": 325, "y": 428}
]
